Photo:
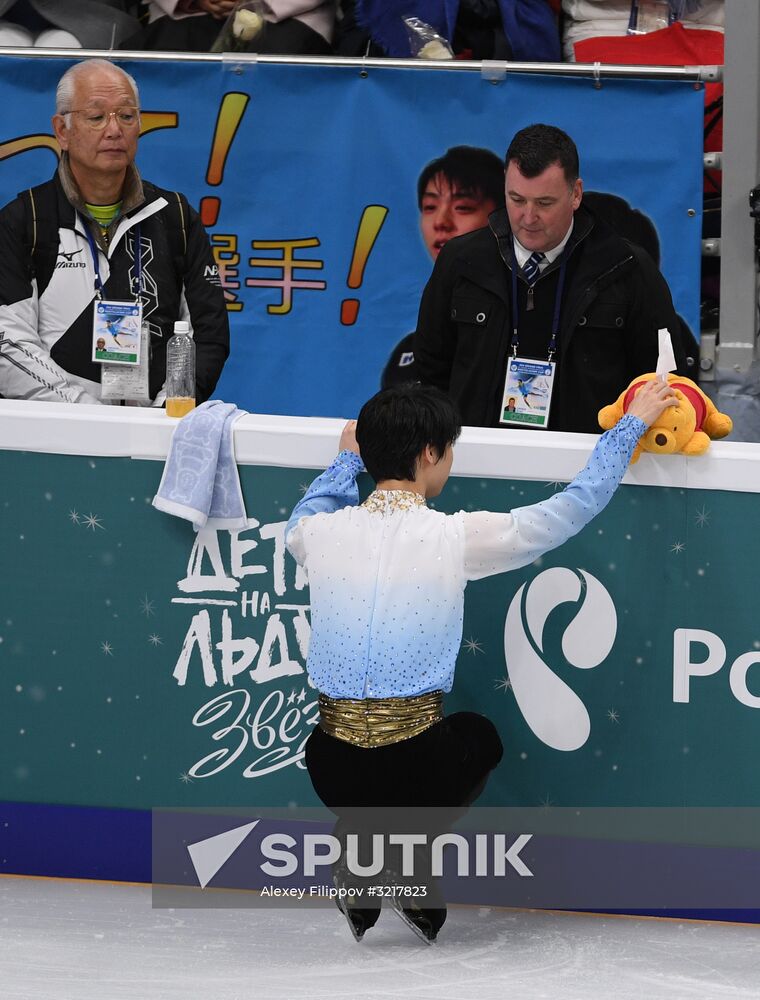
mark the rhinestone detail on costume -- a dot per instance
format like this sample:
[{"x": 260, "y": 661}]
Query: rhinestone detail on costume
[{"x": 389, "y": 500}]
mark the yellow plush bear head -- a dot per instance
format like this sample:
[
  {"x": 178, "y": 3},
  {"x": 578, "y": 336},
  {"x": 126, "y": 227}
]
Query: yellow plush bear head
[{"x": 686, "y": 427}]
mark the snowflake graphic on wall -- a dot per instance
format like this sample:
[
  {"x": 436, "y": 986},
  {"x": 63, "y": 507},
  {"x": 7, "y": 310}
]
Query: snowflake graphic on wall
[
  {"x": 702, "y": 517},
  {"x": 472, "y": 646}
]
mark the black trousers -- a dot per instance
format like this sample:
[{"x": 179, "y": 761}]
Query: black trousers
[
  {"x": 445, "y": 769},
  {"x": 445, "y": 766}
]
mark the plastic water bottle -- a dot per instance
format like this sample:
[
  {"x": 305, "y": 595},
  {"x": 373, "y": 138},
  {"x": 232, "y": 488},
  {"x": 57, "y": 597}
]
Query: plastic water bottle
[{"x": 180, "y": 371}]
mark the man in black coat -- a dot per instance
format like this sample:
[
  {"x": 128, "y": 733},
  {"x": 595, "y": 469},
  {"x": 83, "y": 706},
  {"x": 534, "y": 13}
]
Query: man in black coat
[{"x": 546, "y": 281}]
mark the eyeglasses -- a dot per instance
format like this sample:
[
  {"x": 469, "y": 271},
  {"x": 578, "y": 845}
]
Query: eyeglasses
[{"x": 97, "y": 120}]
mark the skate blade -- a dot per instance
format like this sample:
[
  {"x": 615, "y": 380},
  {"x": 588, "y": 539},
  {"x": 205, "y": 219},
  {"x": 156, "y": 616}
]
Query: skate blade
[
  {"x": 398, "y": 908},
  {"x": 358, "y": 934}
]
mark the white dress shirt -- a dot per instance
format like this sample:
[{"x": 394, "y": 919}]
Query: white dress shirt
[{"x": 522, "y": 254}]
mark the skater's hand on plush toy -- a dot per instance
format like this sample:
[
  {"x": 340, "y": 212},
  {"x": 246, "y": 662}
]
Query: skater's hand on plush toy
[
  {"x": 650, "y": 400},
  {"x": 348, "y": 438}
]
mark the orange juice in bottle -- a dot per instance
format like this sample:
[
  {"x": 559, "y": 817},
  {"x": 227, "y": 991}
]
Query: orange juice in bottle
[{"x": 178, "y": 406}]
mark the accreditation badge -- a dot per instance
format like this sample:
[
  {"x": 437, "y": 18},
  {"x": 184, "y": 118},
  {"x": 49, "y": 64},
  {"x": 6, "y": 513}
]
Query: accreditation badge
[
  {"x": 129, "y": 382},
  {"x": 527, "y": 394},
  {"x": 116, "y": 332}
]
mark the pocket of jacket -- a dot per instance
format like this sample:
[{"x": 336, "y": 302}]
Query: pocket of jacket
[
  {"x": 606, "y": 316},
  {"x": 469, "y": 310}
]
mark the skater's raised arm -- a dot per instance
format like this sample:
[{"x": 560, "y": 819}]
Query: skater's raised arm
[
  {"x": 333, "y": 489},
  {"x": 495, "y": 543}
]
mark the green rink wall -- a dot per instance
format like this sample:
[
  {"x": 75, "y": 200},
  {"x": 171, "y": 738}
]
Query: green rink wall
[{"x": 143, "y": 665}]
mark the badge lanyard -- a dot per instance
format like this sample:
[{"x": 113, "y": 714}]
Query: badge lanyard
[
  {"x": 120, "y": 337},
  {"x": 557, "y": 307},
  {"x": 137, "y": 287},
  {"x": 529, "y": 383}
]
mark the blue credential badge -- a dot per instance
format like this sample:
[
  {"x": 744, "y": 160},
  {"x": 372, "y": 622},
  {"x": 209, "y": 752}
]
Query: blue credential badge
[
  {"x": 116, "y": 332},
  {"x": 527, "y": 393}
]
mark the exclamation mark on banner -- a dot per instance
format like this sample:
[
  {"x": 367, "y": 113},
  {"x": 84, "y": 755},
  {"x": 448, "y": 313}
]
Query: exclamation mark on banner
[
  {"x": 370, "y": 225},
  {"x": 227, "y": 123}
]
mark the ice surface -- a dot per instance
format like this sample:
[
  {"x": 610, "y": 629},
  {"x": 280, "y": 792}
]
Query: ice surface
[{"x": 98, "y": 941}]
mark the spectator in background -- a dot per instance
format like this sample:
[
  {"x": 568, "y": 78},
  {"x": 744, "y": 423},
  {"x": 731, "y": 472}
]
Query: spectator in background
[
  {"x": 455, "y": 194},
  {"x": 521, "y": 30},
  {"x": 89, "y": 24},
  {"x": 294, "y": 27},
  {"x": 584, "y": 19}
]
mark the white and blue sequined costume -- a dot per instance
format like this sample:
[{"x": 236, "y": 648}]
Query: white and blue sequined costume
[{"x": 387, "y": 578}]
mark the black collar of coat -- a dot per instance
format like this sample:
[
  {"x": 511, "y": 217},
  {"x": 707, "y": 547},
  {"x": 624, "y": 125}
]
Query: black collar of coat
[{"x": 484, "y": 254}]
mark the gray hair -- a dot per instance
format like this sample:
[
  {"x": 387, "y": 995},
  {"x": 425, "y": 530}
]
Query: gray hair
[{"x": 64, "y": 94}]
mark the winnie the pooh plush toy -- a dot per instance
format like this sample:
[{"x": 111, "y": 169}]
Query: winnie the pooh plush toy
[{"x": 686, "y": 427}]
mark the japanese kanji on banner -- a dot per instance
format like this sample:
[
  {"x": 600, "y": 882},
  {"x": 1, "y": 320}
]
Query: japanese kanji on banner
[{"x": 306, "y": 179}]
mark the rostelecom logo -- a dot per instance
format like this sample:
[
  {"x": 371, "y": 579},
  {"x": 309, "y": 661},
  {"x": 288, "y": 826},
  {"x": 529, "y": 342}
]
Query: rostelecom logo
[{"x": 551, "y": 708}]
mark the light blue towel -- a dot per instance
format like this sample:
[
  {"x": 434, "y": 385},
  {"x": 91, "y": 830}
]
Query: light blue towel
[{"x": 200, "y": 480}]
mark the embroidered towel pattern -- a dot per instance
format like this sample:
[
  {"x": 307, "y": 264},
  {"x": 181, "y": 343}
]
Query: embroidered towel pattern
[{"x": 200, "y": 481}]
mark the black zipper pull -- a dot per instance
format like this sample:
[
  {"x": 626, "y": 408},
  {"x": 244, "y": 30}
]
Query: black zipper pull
[{"x": 529, "y": 304}]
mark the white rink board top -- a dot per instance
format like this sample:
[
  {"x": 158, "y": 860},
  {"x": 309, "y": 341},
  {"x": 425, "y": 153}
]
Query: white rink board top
[{"x": 311, "y": 443}]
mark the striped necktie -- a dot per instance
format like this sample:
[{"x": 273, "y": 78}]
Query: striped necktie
[{"x": 531, "y": 269}]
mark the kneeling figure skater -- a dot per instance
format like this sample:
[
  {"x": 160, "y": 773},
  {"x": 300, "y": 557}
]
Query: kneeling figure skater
[{"x": 387, "y": 580}]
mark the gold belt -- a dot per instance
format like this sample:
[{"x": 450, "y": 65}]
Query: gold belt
[{"x": 377, "y": 722}]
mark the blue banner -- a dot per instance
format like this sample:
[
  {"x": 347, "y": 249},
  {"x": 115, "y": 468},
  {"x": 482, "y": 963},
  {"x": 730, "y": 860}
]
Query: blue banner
[{"x": 306, "y": 179}]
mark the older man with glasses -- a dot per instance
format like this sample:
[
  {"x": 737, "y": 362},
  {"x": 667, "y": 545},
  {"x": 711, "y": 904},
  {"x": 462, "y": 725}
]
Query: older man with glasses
[{"x": 97, "y": 241}]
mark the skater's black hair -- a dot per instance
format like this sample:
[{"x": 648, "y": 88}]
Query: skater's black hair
[{"x": 397, "y": 424}]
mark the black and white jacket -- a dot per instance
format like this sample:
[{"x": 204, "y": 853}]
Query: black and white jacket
[{"x": 47, "y": 289}]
